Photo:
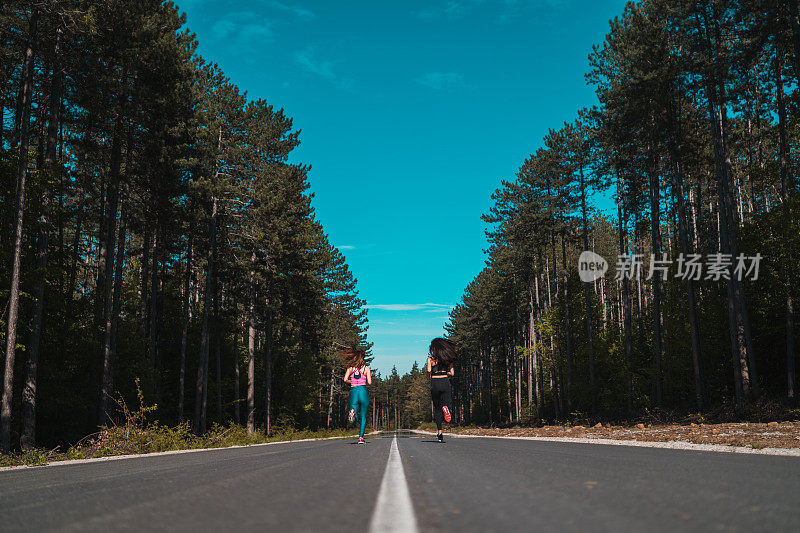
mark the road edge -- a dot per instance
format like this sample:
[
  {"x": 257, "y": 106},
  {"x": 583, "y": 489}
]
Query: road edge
[
  {"x": 156, "y": 454},
  {"x": 670, "y": 445}
]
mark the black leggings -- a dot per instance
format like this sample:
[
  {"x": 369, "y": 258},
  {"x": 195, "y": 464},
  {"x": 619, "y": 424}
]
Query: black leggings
[{"x": 441, "y": 396}]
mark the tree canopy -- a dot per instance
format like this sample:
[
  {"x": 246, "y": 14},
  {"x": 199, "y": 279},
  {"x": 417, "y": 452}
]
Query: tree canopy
[{"x": 694, "y": 141}]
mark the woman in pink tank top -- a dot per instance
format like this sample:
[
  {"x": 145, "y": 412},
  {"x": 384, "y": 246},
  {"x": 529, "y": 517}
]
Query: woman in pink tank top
[{"x": 359, "y": 376}]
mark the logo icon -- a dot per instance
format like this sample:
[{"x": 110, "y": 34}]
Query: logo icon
[{"x": 591, "y": 266}]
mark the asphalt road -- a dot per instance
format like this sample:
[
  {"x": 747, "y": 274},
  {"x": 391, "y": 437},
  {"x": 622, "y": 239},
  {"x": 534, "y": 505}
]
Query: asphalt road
[{"x": 467, "y": 484}]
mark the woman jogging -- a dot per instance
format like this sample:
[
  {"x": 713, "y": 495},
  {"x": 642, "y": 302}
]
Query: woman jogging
[
  {"x": 442, "y": 355},
  {"x": 359, "y": 376}
]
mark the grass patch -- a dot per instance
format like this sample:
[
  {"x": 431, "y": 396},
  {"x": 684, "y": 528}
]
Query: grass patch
[
  {"x": 137, "y": 436},
  {"x": 123, "y": 440}
]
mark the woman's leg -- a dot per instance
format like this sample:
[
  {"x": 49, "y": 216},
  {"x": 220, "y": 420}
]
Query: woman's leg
[
  {"x": 437, "y": 405},
  {"x": 364, "y": 405},
  {"x": 352, "y": 401},
  {"x": 446, "y": 396},
  {"x": 447, "y": 401}
]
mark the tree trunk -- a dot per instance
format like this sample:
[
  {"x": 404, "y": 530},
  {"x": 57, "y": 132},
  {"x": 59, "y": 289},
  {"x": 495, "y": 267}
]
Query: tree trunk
[
  {"x": 518, "y": 375},
  {"x": 794, "y": 15},
  {"x": 727, "y": 232},
  {"x": 488, "y": 379},
  {"x": 587, "y": 293},
  {"x": 655, "y": 228},
  {"x": 107, "y": 247},
  {"x": 783, "y": 161},
  {"x": 548, "y": 309},
  {"x": 604, "y": 299},
  {"x": 187, "y": 282},
  {"x": 107, "y": 285},
  {"x": 532, "y": 346},
  {"x": 330, "y": 401},
  {"x": 112, "y": 323},
  {"x": 743, "y": 354},
  {"x": 199, "y": 424},
  {"x": 251, "y": 349},
  {"x": 508, "y": 376},
  {"x": 537, "y": 361},
  {"x": 19, "y": 212},
  {"x": 268, "y": 372},
  {"x": 694, "y": 325},
  {"x": 152, "y": 344},
  {"x": 237, "y": 418},
  {"x": 693, "y": 204},
  {"x": 626, "y": 294},
  {"x": 567, "y": 329},
  {"x": 20, "y": 111},
  {"x": 28, "y": 436},
  {"x": 145, "y": 280},
  {"x": 218, "y": 347},
  {"x": 3, "y": 85},
  {"x": 160, "y": 338}
]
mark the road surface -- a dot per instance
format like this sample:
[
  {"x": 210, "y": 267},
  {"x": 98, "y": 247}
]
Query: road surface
[{"x": 466, "y": 484}]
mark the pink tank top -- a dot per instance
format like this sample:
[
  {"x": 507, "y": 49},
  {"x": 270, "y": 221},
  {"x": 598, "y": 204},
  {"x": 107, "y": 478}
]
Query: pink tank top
[{"x": 358, "y": 377}]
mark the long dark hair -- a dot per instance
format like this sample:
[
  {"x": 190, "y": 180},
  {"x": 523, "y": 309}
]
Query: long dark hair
[
  {"x": 353, "y": 355},
  {"x": 444, "y": 351}
]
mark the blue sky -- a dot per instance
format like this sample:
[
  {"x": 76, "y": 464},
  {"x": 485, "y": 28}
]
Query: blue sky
[{"x": 411, "y": 114}]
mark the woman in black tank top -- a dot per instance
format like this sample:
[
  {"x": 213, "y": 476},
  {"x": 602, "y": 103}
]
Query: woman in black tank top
[
  {"x": 442, "y": 355},
  {"x": 439, "y": 370}
]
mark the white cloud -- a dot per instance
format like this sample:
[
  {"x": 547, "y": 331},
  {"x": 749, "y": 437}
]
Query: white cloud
[
  {"x": 242, "y": 26},
  {"x": 346, "y": 247},
  {"x": 223, "y": 28},
  {"x": 441, "y": 80},
  {"x": 308, "y": 60},
  {"x": 395, "y": 307},
  {"x": 295, "y": 10},
  {"x": 506, "y": 10},
  {"x": 450, "y": 9}
]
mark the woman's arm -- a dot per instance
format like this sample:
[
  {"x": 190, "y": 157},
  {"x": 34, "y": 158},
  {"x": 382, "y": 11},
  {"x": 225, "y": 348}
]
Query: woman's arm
[
  {"x": 369, "y": 376},
  {"x": 429, "y": 365},
  {"x": 347, "y": 375},
  {"x": 452, "y": 371}
]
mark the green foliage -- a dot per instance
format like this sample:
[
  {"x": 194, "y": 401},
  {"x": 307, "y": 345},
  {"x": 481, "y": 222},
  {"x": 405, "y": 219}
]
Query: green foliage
[
  {"x": 686, "y": 140},
  {"x": 215, "y": 215},
  {"x": 134, "y": 439}
]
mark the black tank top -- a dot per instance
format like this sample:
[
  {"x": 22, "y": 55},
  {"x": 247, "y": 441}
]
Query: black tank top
[{"x": 439, "y": 370}]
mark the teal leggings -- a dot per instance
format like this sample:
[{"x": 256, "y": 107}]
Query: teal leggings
[{"x": 359, "y": 400}]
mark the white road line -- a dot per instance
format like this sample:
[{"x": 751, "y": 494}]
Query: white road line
[{"x": 393, "y": 510}]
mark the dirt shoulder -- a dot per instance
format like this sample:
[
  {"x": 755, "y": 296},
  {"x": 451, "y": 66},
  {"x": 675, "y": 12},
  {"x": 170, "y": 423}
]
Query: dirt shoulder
[{"x": 753, "y": 435}]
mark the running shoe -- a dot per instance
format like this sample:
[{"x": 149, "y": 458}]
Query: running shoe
[
  {"x": 351, "y": 416},
  {"x": 447, "y": 416},
  {"x": 361, "y": 440},
  {"x": 440, "y": 438}
]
